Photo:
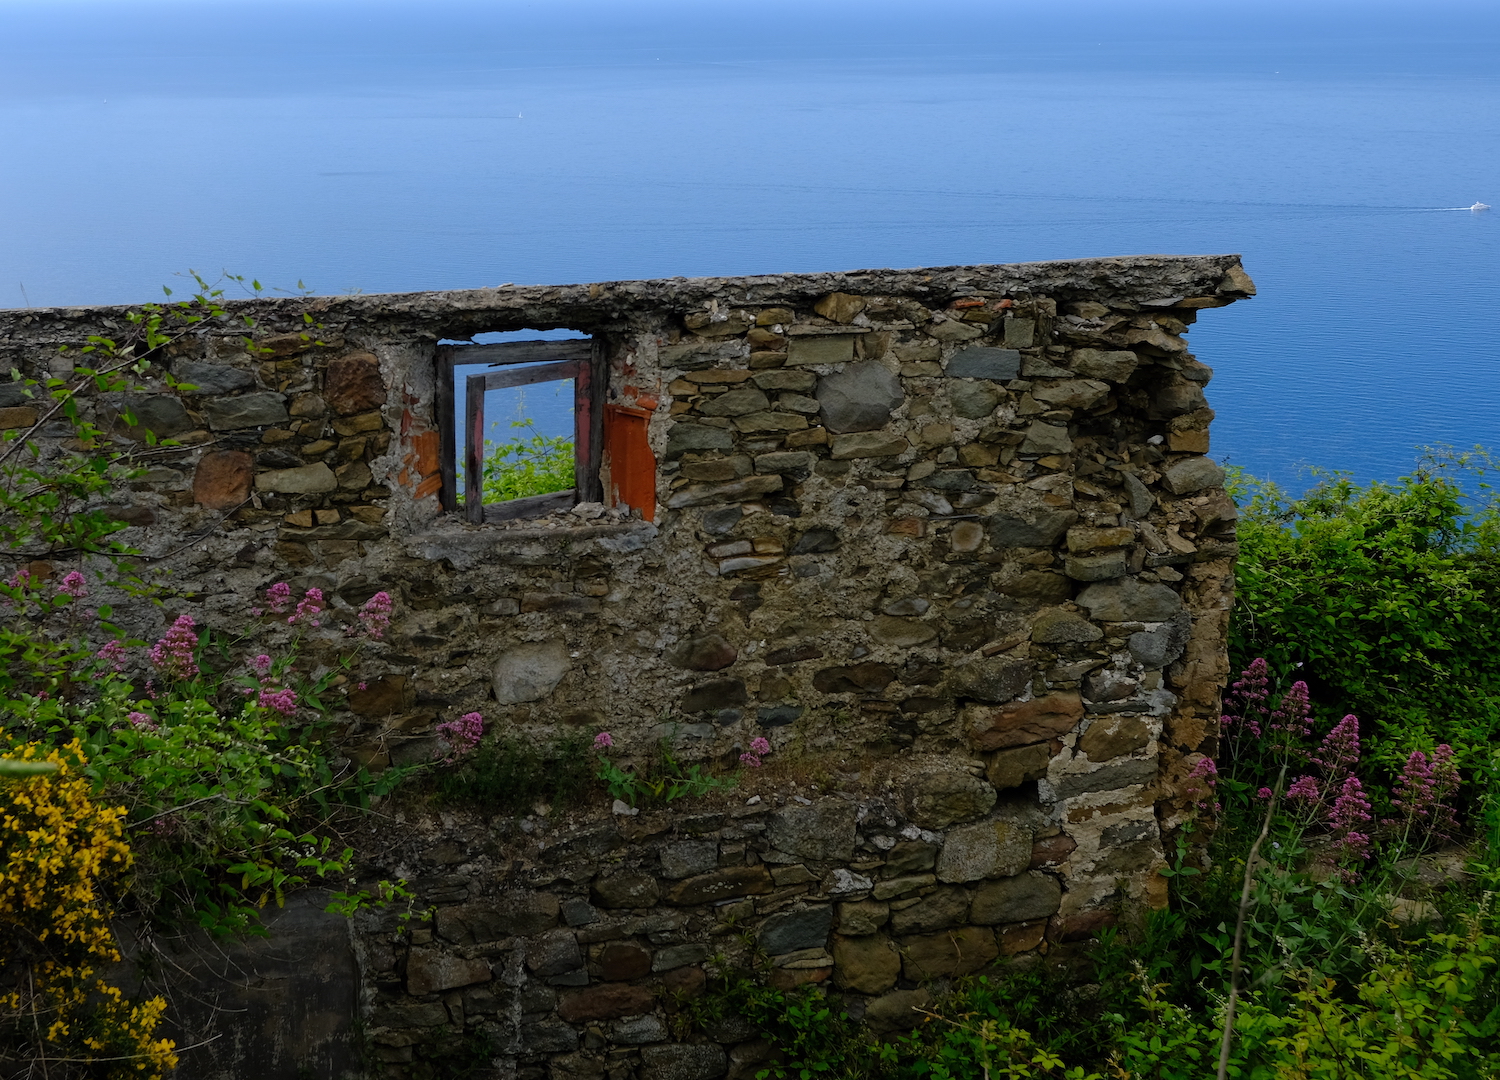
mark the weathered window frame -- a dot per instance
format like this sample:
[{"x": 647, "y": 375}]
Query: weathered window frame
[{"x": 578, "y": 359}]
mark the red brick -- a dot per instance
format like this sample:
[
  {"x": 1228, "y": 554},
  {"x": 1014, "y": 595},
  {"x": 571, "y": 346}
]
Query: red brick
[{"x": 431, "y": 486}]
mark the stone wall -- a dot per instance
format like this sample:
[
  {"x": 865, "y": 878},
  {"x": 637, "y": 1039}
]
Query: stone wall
[{"x": 948, "y": 538}]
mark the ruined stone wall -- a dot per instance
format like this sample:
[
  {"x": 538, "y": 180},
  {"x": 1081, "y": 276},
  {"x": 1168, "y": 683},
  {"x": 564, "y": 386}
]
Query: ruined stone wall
[{"x": 947, "y": 538}]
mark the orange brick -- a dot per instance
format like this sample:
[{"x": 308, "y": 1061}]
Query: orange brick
[
  {"x": 431, "y": 486},
  {"x": 425, "y": 449}
]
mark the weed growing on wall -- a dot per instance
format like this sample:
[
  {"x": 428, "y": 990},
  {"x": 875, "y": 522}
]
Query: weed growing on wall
[{"x": 529, "y": 464}]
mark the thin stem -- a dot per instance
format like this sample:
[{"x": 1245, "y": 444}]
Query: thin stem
[{"x": 1239, "y": 925}]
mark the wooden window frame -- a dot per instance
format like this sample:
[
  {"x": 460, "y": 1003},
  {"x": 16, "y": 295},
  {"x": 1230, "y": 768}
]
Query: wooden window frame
[{"x": 579, "y": 360}]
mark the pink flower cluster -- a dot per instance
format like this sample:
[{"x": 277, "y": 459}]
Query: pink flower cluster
[
  {"x": 141, "y": 721},
  {"x": 308, "y": 608},
  {"x": 261, "y": 665},
  {"x": 759, "y": 747},
  {"x": 112, "y": 654},
  {"x": 603, "y": 741},
  {"x": 1348, "y": 819},
  {"x": 1423, "y": 790},
  {"x": 283, "y": 701},
  {"x": 173, "y": 654},
  {"x": 1201, "y": 782},
  {"x": 278, "y": 598},
  {"x": 463, "y": 734},
  {"x": 1248, "y": 698},
  {"x": 375, "y": 615},
  {"x": 74, "y": 585}
]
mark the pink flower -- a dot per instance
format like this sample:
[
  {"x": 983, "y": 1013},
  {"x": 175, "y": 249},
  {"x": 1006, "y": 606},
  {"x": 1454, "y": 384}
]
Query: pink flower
[
  {"x": 364, "y": 685},
  {"x": 262, "y": 665},
  {"x": 1351, "y": 811},
  {"x": 1340, "y": 750},
  {"x": 1304, "y": 789},
  {"x": 603, "y": 741},
  {"x": 141, "y": 721},
  {"x": 112, "y": 654},
  {"x": 1247, "y": 698},
  {"x": 173, "y": 654},
  {"x": 375, "y": 615},
  {"x": 1423, "y": 788},
  {"x": 22, "y": 580},
  {"x": 750, "y": 760},
  {"x": 1263, "y": 793},
  {"x": 74, "y": 585},
  {"x": 1294, "y": 713},
  {"x": 760, "y": 745},
  {"x": 282, "y": 701},
  {"x": 462, "y": 734},
  {"x": 307, "y": 608},
  {"x": 278, "y": 596}
]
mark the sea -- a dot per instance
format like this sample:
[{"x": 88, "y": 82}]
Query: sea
[{"x": 336, "y": 146}]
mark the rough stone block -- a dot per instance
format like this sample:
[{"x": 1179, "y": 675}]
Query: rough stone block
[
  {"x": 606, "y": 1002},
  {"x": 1072, "y": 394},
  {"x": 1045, "y": 438},
  {"x": 943, "y": 797},
  {"x": 868, "y": 444},
  {"x": 211, "y": 378},
  {"x": 751, "y": 487},
  {"x": 1109, "y": 737},
  {"x": 799, "y": 928},
  {"x": 623, "y": 961},
  {"x": 431, "y": 970},
  {"x": 822, "y": 832},
  {"x": 553, "y": 953},
  {"x": 1037, "y": 720},
  {"x": 1193, "y": 474},
  {"x": 983, "y": 362},
  {"x": 1056, "y": 626},
  {"x": 223, "y": 479},
  {"x": 859, "y": 398},
  {"x": 954, "y": 952},
  {"x": 1115, "y": 366},
  {"x": 1040, "y": 528},
  {"x": 683, "y": 1061},
  {"x": 721, "y": 885},
  {"x": 261, "y": 409},
  {"x": 1012, "y": 768},
  {"x": 1119, "y": 775},
  {"x": 682, "y": 438},
  {"x": 1130, "y": 601},
  {"x": 993, "y": 681},
  {"x": 704, "y": 652},
  {"x": 820, "y": 349},
  {"x": 984, "y": 850},
  {"x": 736, "y": 403},
  {"x": 945, "y": 906},
  {"x": 899, "y": 1010},
  {"x": 529, "y": 672},
  {"x": 303, "y": 480},
  {"x": 628, "y": 889},
  {"x": 866, "y": 965},
  {"x": 353, "y": 384},
  {"x": 1032, "y": 895}
]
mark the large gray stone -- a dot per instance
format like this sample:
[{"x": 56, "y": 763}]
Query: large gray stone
[
  {"x": 986, "y": 849},
  {"x": 553, "y": 953},
  {"x": 1114, "y": 367},
  {"x": 161, "y": 414},
  {"x": 683, "y": 1061},
  {"x": 1193, "y": 474},
  {"x": 704, "y": 652},
  {"x": 1027, "y": 896},
  {"x": 1040, "y": 528},
  {"x": 684, "y": 437},
  {"x": 974, "y": 400},
  {"x": 735, "y": 403},
  {"x": 303, "y": 480},
  {"x": 859, "y": 398},
  {"x": 821, "y": 349},
  {"x": 1112, "y": 777},
  {"x": 1158, "y": 648},
  {"x": 529, "y": 672},
  {"x": 688, "y": 857},
  {"x": 800, "y": 928},
  {"x": 941, "y": 908},
  {"x": 248, "y": 410},
  {"x": 823, "y": 832},
  {"x": 628, "y": 889},
  {"x": 1072, "y": 394},
  {"x": 944, "y": 797},
  {"x": 431, "y": 970},
  {"x": 1130, "y": 601},
  {"x": 984, "y": 362},
  {"x": 1056, "y": 626},
  {"x": 993, "y": 681},
  {"x": 869, "y": 444},
  {"x": 1045, "y": 438},
  {"x": 212, "y": 378}
]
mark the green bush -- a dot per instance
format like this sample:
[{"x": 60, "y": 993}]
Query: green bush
[
  {"x": 530, "y": 464},
  {"x": 1384, "y": 597}
]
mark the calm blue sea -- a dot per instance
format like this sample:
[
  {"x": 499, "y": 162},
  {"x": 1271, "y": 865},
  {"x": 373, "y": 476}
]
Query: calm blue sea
[{"x": 382, "y": 147}]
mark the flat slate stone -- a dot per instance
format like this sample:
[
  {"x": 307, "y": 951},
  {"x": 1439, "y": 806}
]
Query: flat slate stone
[
  {"x": 248, "y": 410},
  {"x": 212, "y": 378},
  {"x": 800, "y": 928},
  {"x": 984, "y": 362}
]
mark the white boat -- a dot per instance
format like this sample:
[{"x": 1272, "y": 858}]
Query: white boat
[{"x": 1480, "y": 206}]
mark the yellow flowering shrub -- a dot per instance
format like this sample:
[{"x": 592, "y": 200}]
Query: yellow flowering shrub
[{"x": 59, "y": 850}]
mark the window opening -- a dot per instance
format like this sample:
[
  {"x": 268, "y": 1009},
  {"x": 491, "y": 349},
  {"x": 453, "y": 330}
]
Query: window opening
[{"x": 520, "y": 424}]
